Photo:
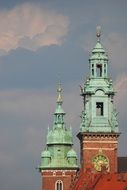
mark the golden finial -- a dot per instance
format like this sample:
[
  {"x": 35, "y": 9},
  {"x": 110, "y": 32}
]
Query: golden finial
[{"x": 59, "y": 90}]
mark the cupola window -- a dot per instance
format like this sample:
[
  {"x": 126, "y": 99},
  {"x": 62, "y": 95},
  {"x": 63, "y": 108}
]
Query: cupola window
[
  {"x": 59, "y": 185},
  {"x": 105, "y": 69},
  {"x": 92, "y": 69},
  {"x": 99, "y": 70},
  {"x": 99, "y": 109}
]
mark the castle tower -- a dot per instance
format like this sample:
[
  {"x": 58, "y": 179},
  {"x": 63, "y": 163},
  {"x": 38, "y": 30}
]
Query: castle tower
[
  {"x": 99, "y": 127},
  {"x": 59, "y": 160}
]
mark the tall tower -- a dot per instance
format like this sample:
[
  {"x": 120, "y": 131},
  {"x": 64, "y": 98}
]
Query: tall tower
[
  {"x": 59, "y": 160},
  {"x": 99, "y": 127}
]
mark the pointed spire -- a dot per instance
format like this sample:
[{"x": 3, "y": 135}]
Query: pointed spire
[
  {"x": 98, "y": 59},
  {"x": 59, "y": 113},
  {"x": 59, "y": 98}
]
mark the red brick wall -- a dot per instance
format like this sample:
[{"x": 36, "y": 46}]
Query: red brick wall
[
  {"x": 94, "y": 144},
  {"x": 49, "y": 178}
]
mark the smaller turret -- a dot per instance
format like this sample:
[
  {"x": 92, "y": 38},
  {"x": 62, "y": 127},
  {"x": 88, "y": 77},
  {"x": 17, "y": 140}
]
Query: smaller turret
[
  {"x": 45, "y": 158},
  {"x": 72, "y": 157}
]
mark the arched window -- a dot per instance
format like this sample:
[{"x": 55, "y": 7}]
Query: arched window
[{"x": 59, "y": 185}]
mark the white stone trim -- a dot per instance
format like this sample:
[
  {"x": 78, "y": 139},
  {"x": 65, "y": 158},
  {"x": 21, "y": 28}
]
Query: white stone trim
[
  {"x": 58, "y": 171},
  {"x": 100, "y": 141},
  {"x": 98, "y": 148}
]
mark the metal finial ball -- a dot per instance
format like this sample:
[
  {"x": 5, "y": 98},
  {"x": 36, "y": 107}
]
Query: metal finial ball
[
  {"x": 59, "y": 89},
  {"x": 98, "y": 31}
]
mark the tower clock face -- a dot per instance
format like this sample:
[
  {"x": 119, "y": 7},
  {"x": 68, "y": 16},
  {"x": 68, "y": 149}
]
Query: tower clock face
[{"x": 100, "y": 161}]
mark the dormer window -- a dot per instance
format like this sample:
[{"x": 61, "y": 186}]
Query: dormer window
[{"x": 99, "y": 70}]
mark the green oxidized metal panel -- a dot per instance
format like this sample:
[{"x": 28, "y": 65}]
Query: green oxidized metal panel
[
  {"x": 59, "y": 152},
  {"x": 99, "y": 114}
]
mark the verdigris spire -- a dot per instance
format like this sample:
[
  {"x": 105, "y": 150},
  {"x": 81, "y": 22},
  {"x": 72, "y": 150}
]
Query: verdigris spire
[
  {"x": 99, "y": 114},
  {"x": 59, "y": 152},
  {"x": 98, "y": 60},
  {"x": 59, "y": 113},
  {"x": 99, "y": 126},
  {"x": 59, "y": 90}
]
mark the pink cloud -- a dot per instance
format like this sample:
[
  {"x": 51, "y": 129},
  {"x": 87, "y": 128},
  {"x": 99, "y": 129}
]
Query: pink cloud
[{"x": 30, "y": 26}]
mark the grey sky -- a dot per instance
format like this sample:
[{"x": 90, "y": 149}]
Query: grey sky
[{"x": 40, "y": 43}]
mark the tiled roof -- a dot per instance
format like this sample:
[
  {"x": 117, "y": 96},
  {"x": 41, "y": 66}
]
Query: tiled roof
[{"x": 99, "y": 181}]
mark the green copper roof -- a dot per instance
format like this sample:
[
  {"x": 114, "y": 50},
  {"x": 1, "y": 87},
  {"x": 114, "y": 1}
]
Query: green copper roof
[
  {"x": 59, "y": 109},
  {"x": 99, "y": 114},
  {"x": 45, "y": 154},
  {"x": 59, "y": 153},
  {"x": 59, "y": 113},
  {"x": 71, "y": 153},
  {"x": 98, "y": 52},
  {"x": 59, "y": 134},
  {"x": 98, "y": 48}
]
